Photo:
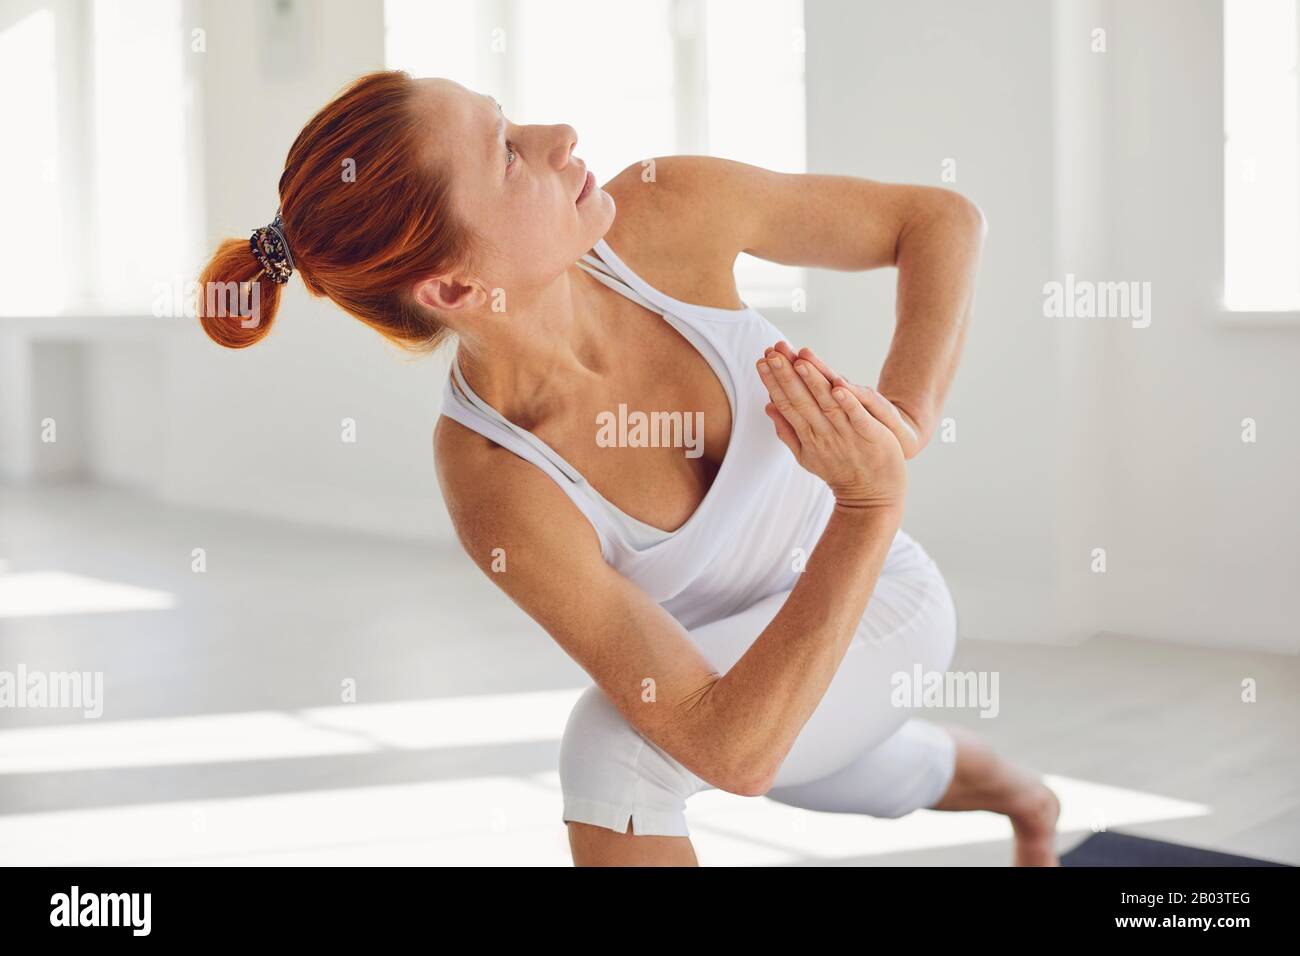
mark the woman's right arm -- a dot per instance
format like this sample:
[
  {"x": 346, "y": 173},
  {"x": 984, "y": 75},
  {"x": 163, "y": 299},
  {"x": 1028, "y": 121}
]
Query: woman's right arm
[
  {"x": 779, "y": 681},
  {"x": 732, "y": 730}
]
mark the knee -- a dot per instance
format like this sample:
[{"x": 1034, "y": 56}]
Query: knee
[
  {"x": 940, "y": 608},
  {"x": 938, "y": 625},
  {"x": 947, "y": 624},
  {"x": 610, "y": 775}
]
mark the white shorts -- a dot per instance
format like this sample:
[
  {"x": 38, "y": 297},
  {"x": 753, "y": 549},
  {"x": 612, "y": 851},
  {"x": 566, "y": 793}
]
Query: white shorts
[{"x": 857, "y": 753}]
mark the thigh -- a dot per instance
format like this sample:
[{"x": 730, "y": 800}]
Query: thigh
[
  {"x": 591, "y": 845},
  {"x": 910, "y": 769},
  {"x": 909, "y": 620}
]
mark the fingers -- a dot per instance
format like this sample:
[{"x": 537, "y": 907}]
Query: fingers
[
  {"x": 826, "y": 375},
  {"x": 777, "y": 394},
  {"x": 792, "y": 397},
  {"x": 784, "y": 348},
  {"x": 885, "y": 410},
  {"x": 860, "y": 420},
  {"x": 831, "y": 407},
  {"x": 824, "y": 413},
  {"x": 783, "y": 429},
  {"x": 879, "y": 406},
  {"x": 809, "y": 355},
  {"x": 881, "y": 412}
]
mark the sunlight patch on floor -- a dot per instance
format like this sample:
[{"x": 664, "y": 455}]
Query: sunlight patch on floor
[
  {"x": 502, "y": 820},
  {"x": 480, "y": 720},
  {"x": 49, "y": 593}
]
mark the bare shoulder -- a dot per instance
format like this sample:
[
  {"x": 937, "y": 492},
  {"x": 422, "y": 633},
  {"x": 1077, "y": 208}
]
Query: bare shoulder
[
  {"x": 680, "y": 224},
  {"x": 497, "y": 500}
]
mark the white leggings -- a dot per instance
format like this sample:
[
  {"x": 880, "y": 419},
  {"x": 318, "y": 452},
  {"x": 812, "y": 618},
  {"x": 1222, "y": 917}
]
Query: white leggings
[{"x": 858, "y": 753}]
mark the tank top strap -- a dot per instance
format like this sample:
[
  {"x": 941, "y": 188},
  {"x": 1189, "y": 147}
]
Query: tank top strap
[
  {"x": 635, "y": 287},
  {"x": 461, "y": 405},
  {"x": 521, "y": 435},
  {"x": 593, "y": 264},
  {"x": 683, "y": 316},
  {"x": 602, "y": 272}
]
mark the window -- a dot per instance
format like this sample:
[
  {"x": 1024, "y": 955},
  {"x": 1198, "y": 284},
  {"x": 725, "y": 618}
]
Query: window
[
  {"x": 717, "y": 77},
  {"x": 141, "y": 167},
  {"x": 99, "y": 101},
  {"x": 1261, "y": 163},
  {"x": 31, "y": 275},
  {"x": 756, "y": 111}
]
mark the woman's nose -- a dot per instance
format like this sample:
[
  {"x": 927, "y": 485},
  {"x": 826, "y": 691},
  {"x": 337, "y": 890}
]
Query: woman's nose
[{"x": 566, "y": 138}]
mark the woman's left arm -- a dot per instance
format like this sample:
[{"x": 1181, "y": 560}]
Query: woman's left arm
[
  {"x": 938, "y": 253},
  {"x": 933, "y": 236}
]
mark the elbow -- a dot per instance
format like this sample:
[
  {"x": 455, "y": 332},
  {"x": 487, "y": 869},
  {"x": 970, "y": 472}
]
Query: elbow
[
  {"x": 739, "y": 763},
  {"x": 965, "y": 215},
  {"x": 754, "y": 786},
  {"x": 747, "y": 784},
  {"x": 745, "y": 777}
]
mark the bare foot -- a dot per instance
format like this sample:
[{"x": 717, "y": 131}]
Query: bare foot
[{"x": 1035, "y": 828}]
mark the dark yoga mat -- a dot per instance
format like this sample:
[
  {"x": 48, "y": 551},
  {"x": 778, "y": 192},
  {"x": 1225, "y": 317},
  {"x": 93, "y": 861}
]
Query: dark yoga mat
[{"x": 1120, "y": 849}]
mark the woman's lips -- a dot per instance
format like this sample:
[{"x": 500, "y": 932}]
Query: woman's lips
[{"x": 588, "y": 185}]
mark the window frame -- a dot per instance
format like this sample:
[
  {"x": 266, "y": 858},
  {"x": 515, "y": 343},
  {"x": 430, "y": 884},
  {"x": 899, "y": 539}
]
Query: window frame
[
  {"x": 75, "y": 102},
  {"x": 1222, "y": 314}
]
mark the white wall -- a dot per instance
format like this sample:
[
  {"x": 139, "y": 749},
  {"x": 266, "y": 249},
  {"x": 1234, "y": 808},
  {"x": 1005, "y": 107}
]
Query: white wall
[
  {"x": 1075, "y": 434},
  {"x": 894, "y": 90},
  {"x": 1204, "y": 530},
  {"x": 259, "y": 430}
]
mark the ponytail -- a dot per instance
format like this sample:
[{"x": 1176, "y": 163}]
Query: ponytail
[{"x": 363, "y": 241}]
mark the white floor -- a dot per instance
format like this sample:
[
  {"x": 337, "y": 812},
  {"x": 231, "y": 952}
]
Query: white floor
[{"x": 226, "y": 736}]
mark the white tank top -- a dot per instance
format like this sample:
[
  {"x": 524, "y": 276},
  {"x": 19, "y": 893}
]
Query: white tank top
[{"x": 762, "y": 515}]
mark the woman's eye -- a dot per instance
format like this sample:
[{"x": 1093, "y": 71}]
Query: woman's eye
[{"x": 510, "y": 152}]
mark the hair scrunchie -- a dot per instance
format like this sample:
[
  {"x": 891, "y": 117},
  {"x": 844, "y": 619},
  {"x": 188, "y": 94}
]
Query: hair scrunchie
[{"x": 272, "y": 250}]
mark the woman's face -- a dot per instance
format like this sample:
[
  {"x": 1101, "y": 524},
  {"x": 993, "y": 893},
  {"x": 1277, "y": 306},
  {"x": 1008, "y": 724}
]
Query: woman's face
[{"x": 517, "y": 186}]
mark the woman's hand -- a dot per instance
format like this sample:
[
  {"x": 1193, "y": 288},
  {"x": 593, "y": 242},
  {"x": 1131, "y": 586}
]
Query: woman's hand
[
  {"x": 889, "y": 414},
  {"x": 833, "y": 434}
]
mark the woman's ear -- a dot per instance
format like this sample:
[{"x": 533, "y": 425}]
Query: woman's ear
[{"x": 445, "y": 294}]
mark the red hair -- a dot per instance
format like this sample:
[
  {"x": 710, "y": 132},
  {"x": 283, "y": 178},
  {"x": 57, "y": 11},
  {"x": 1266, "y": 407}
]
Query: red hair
[{"x": 362, "y": 240}]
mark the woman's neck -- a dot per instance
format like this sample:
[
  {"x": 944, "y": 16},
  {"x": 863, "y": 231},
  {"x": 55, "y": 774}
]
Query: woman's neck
[{"x": 543, "y": 355}]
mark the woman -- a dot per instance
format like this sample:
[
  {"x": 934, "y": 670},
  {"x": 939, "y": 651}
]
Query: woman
[{"x": 741, "y": 607}]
